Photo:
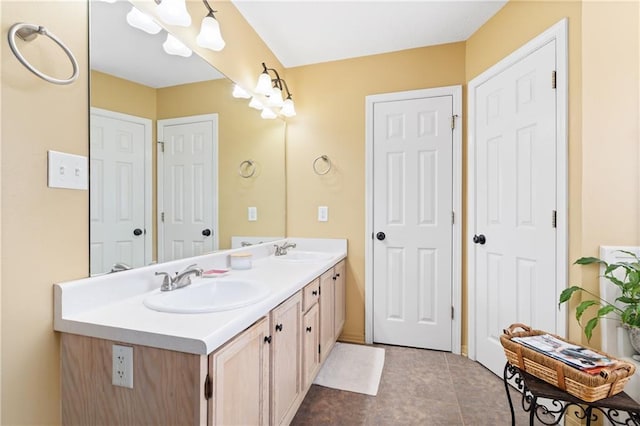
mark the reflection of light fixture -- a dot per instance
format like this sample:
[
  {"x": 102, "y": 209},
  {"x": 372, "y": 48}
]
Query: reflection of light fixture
[
  {"x": 268, "y": 114},
  {"x": 142, "y": 21},
  {"x": 174, "y": 12},
  {"x": 256, "y": 104},
  {"x": 239, "y": 92},
  {"x": 173, "y": 46},
  {"x": 273, "y": 88},
  {"x": 210, "y": 36}
]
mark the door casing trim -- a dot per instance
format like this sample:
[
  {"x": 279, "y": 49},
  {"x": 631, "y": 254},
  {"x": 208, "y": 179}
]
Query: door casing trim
[
  {"x": 456, "y": 297},
  {"x": 557, "y": 32}
]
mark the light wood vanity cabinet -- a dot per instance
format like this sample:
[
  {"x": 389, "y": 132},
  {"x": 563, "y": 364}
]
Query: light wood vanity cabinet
[{"x": 259, "y": 377}]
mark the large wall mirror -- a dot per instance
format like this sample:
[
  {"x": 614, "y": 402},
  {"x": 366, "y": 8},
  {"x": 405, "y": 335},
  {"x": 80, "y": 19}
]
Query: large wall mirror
[{"x": 217, "y": 178}]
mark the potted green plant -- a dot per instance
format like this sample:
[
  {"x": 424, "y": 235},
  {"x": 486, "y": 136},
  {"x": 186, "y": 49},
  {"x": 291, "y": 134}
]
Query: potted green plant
[{"x": 626, "y": 276}]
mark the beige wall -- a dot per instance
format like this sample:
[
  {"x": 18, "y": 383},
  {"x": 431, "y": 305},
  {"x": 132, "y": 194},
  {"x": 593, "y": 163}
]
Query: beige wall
[
  {"x": 330, "y": 100},
  {"x": 44, "y": 231}
]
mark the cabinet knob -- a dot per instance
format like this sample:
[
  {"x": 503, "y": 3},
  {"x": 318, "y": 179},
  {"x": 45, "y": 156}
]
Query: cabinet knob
[
  {"x": 314, "y": 292},
  {"x": 308, "y": 329},
  {"x": 278, "y": 327},
  {"x": 267, "y": 339}
]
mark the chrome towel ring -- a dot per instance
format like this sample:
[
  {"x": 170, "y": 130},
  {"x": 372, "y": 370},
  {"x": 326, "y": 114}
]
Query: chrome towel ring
[
  {"x": 247, "y": 169},
  {"x": 28, "y": 32},
  {"x": 320, "y": 171}
]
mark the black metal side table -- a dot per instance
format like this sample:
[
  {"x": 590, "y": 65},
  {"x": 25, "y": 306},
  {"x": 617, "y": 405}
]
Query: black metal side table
[{"x": 619, "y": 409}]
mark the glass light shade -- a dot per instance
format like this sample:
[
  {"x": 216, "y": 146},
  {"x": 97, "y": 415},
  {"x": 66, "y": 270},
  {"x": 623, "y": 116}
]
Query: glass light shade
[
  {"x": 268, "y": 114},
  {"x": 275, "y": 99},
  {"x": 264, "y": 84},
  {"x": 210, "y": 36},
  {"x": 288, "y": 110},
  {"x": 173, "y": 46},
  {"x": 256, "y": 104},
  {"x": 239, "y": 92},
  {"x": 174, "y": 12},
  {"x": 142, "y": 21}
]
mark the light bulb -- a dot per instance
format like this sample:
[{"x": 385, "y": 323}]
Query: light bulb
[
  {"x": 268, "y": 114},
  {"x": 239, "y": 92},
  {"x": 275, "y": 99},
  {"x": 142, "y": 21},
  {"x": 264, "y": 84},
  {"x": 256, "y": 104},
  {"x": 288, "y": 110},
  {"x": 174, "y": 12},
  {"x": 210, "y": 36},
  {"x": 173, "y": 46}
]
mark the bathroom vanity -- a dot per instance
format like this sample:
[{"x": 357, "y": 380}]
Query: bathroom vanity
[{"x": 248, "y": 365}]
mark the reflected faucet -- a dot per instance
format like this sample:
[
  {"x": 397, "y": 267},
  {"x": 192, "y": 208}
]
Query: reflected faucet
[
  {"x": 181, "y": 279},
  {"x": 282, "y": 250},
  {"x": 120, "y": 266}
]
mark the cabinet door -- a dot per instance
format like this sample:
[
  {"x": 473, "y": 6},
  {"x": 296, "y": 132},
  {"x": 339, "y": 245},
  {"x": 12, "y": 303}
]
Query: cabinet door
[
  {"x": 339, "y": 298},
  {"x": 240, "y": 372},
  {"x": 327, "y": 329},
  {"x": 311, "y": 345},
  {"x": 286, "y": 358}
]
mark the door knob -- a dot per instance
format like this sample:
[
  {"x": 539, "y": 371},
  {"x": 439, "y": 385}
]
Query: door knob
[
  {"x": 479, "y": 239},
  {"x": 380, "y": 236},
  {"x": 137, "y": 232},
  {"x": 206, "y": 232}
]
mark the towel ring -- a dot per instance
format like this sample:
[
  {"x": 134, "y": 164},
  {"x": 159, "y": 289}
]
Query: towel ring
[
  {"x": 315, "y": 165},
  {"x": 247, "y": 169},
  {"x": 28, "y": 32}
]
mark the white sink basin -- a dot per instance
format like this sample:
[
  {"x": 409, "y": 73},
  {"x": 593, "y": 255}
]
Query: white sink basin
[
  {"x": 304, "y": 256},
  {"x": 208, "y": 295}
]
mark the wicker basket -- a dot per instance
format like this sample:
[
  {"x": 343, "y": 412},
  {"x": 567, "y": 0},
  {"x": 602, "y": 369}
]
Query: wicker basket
[{"x": 587, "y": 387}]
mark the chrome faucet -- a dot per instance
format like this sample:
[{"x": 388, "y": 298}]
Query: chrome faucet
[
  {"x": 181, "y": 279},
  {"x": 282, "y": 250},
  {"x": 120, "y": 266}
]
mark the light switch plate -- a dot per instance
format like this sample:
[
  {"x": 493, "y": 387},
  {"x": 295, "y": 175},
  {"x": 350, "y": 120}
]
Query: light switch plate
[
  {"x": 67, "y": 171},
  {"x": 323, "y": 213},
  {"x": 252, "y": 214}
]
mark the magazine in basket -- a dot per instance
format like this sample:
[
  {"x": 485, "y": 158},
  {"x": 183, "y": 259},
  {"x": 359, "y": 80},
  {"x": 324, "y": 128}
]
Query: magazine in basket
[{"x": 573, "y": 355}]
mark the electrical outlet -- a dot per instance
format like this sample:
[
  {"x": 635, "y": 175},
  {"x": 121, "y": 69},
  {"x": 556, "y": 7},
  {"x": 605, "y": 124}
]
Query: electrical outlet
[
  {"x": 252, "y": 214},
  {"x": 122, "y": 366}
]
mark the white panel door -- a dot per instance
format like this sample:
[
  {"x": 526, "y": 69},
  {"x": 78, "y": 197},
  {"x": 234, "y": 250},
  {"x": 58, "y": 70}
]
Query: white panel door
[
  {"x": 117, "y": 202},
  {"x": 515, "y": 184},
  {"x": 187, "y": 199},
  {"x": 412, "y": 252}
]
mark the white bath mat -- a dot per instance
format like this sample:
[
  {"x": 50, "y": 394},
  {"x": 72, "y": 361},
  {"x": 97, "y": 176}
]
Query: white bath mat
[{"x": 354, "y": 368}]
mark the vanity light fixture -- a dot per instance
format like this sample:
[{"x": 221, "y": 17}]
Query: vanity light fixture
[
  {"x": 142, "y": 21},
  {"x": 210, "y": 35},
  {"x": 256, "y": 103},
  {"x": 268, "y": 114},
  {"x": 273, "y": 88},
  {"x": 173, "y": 46},
  {"x": 174, "y": 12},
  {"x": 240, "y": 93}
]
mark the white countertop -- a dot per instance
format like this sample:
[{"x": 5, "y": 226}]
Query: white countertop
[{"x": 111, "y": 306}]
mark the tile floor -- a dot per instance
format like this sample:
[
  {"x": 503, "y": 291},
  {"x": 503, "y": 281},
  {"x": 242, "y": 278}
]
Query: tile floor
[{"x": 418, "y": 387}]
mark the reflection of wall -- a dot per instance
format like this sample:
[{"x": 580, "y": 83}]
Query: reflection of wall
[
  {"x": 45, "y": 231},
  {"x": 242, "y": 135}
]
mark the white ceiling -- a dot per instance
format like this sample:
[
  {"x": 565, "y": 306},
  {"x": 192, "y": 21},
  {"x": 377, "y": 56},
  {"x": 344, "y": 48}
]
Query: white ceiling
[
  {"x": 299, "y": 32},
  {"x": 302, "y": 32},
  {"x": 118, "y": 49}
]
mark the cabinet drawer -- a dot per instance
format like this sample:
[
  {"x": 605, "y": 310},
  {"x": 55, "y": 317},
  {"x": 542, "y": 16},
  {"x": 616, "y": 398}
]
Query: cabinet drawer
[{"x": 310, "y": 294}]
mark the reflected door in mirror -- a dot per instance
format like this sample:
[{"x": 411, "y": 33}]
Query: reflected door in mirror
[
  {"x": 187, "y": 187},
  {"x": 117, "y": 202}
]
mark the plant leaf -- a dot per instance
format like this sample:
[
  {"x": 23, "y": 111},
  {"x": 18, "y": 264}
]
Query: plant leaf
[
  {"x": 567, "y": 293},
  {"x": 588, "y": 329},
  {"x": 583, "y": 307}
]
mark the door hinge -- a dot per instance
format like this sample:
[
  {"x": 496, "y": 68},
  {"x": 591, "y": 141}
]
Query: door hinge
[
  {"x": 553, "y": 79},
  {"x": 453, "y": 218},
  {"x": 208, "y": 387},
  {"x": 554, "y": 219},
  {"x": 162, "y": 217},
  {"x": 452, "y": 312},
  {"x": 319, "y": 349},
  {"x": 453, "y": 121},
  {"x": 161, "y": 146}
]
